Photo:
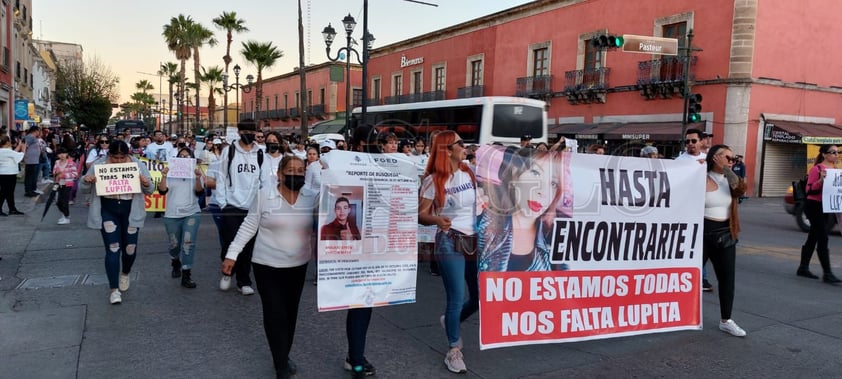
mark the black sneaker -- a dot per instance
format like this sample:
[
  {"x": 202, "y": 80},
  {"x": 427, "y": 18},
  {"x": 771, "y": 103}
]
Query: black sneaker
[
  {"x": 706, "y": 286},
  {"x": 368, "y": 368}
]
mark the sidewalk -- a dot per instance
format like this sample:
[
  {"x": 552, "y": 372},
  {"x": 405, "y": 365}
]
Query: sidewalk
[{"x": 56, "y": 322}]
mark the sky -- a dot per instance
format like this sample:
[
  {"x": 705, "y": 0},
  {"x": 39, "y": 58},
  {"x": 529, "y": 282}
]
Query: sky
[{"x": 126, "y": 35}]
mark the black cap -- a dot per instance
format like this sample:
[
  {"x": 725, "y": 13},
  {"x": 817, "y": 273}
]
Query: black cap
[
  {"x": 526, "y": 137},
  {"x": 247, "y": 124}
]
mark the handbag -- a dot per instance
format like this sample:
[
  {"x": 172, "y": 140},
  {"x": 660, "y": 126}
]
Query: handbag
[
  {"x": 465, "y": 244},
  {"x": 720, "y": 238}
]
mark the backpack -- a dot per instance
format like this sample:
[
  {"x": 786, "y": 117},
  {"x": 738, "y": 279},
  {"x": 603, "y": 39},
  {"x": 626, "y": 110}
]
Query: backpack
[
  {"x": 231, "y": 150},
  {"x": 799, "y": 189}
]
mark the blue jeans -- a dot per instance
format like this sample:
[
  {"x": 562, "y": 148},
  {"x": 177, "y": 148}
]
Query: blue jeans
[
  {"x": 182, "y": 234},
  {"x": 455, "y": 271},
  {"x": 119, "y": 238}
]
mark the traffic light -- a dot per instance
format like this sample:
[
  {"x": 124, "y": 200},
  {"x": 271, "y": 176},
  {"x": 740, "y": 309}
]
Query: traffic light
[
  {"x": 607, "y": 41},
  {"x": 202, "y": 130},
  {"x": 694, "y": 107}
]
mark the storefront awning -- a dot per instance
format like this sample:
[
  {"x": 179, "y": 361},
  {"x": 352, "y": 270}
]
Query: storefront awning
[
  {"x": 802, "y": 132},
  {"x": 648, "y": 131},
  {"x": 581, "y": 131}
]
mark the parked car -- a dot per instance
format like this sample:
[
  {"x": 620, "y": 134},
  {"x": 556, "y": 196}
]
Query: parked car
[{"x": 796, "y": 209}]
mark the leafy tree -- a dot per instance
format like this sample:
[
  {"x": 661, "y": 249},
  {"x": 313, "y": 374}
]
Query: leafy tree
[
  {"x": 85, "y": 92},
  {"x": 198, "y": 36},
  {"x": 212, "y": 77},
  {"x": 175, "y": 35},
  {"x": 229, "y": 22},
  {"x": 262, "y": 55},
  {"x": 170, "y": 70}
]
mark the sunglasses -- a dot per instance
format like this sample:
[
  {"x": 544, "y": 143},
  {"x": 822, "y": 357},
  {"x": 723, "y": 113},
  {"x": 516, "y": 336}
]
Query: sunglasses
[
  {"x": 834, "y": 152},
  {"x": 731, "y": 159},
  {"x": 691, "y": 141},
  {"x": 459, "y": 142},
  {"x": 103, "y": 141}
]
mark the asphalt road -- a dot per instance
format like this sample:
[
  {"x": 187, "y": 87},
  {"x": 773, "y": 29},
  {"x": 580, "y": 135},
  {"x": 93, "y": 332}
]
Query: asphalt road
[{"x": 56, "y": 322}]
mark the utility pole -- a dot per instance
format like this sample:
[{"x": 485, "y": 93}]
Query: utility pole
[{"x": 688, "y": 50}]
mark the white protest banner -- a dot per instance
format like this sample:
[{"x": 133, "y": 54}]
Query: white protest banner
[
  {"x": 368, "y": 220},
  {"x": 231, "y": 134},
  {"x": 613, "y": 246},
  {"x": 832, "y": 191},
  {"x": 182, "y": 168},
  {"x": 117, "y": 179}
]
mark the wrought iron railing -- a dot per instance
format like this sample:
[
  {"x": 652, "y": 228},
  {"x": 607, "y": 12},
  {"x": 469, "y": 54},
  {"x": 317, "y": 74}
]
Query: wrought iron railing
[
  {"x": 587, "y": 79},
  {"x": 534, "y": 86},
  {"x": 472, "y": 91}
]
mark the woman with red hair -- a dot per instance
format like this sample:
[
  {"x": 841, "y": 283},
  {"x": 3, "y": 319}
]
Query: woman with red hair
[{"x": 448, "y": 200}]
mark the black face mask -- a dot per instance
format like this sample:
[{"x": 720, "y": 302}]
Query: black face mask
[
  {"x": 247, "y": 139},
  {"x": 294, "y": 182},
  {"x": 273, "y": 147}
]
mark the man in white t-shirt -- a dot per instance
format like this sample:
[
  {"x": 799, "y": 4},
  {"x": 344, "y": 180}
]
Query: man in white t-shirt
[
  {"x": 161, "y": 149},
  {"x": 693, "y": 141}
]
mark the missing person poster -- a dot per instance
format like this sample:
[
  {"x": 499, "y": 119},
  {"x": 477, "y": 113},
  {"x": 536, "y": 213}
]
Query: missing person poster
[
  {"x": 368, "y": 220},
  {"x": 576, "y": 247},
  {"x": 182, "y": 168},
  {"x": 155, "y": 202},
  {"x": 832, "y": 191},
  {"x": 117, "y": 179}
]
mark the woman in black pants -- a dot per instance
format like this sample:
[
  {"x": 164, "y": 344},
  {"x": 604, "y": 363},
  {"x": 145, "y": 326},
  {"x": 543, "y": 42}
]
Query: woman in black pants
[
  {"x": 723, "y": 189},
  {"x": 817, "y": 238}
]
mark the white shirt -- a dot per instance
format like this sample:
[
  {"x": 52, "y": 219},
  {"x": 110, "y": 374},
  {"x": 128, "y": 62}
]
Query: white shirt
[
  {"x": 245, "y": 179},
  {"x": 93, "y": 155},
  {"x": 181, "y": 198},
  {"x": 718, "y": 202},
  {"x": 313, "y": 178},
  {"x": 10, "y": 161},
  {"x": 459, "y": 203},
  {"x": 684, "y": 156},
  {"x": 283, "y": 230}
]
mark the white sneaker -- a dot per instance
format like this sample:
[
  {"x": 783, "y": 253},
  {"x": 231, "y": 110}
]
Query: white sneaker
[
  {"x": 63, "y": 221},
  {"x": 732, "y": 328},
  {"x": 246, "y": 290},
  {"x": 115, "y": 297},
  {"x": 225, "y": 283},
  {"x": 39, "y": 192},
  {"x": 71, "y": 202},
  {"x": 454, "y": 362},
  {"x": 125, "y": 281},
  {"x": 444, "y": 327}
]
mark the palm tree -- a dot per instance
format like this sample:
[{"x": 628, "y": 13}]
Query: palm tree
[
  {"x": 144, "y": 86},
  {"x": 170, "y": 70},
  {"x": 262, "y": 55},
  {"x": 229, "y": 22},
  {"x": 212, "y": 77},
  {"x": 175, "y": 35},
  {"x": 197, "y": 37}
]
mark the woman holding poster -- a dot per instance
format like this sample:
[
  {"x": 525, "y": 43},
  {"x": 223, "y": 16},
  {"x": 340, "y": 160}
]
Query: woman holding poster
[
  {"x": 182, "y": 217},
  {"x": 722, "y": 193},
  {"x": 515, "y": 228},
  {"x": 282, "y": 217},
  {"x": 448, "y": 200},
  {"x": 118, "y": 217},
  {"x": 817, "y": 237}
]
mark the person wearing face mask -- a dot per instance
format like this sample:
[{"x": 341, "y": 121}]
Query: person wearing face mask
[
  {"x": 236, "y": 181},
  {"x": 274, "y": 153},
  {"x": 282, "y": 217},
  {"x": 182, "y": 218}
]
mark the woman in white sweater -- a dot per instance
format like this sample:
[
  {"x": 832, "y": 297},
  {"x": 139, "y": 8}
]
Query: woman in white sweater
[{"x": 282, "y": 217}]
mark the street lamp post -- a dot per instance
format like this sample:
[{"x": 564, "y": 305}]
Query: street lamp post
[
  {"x": 178, "y": 98},
  {"x": 368, "y": 39},
  {"x": 236, "y": 86},
  {"x": 186, "y": 111}
]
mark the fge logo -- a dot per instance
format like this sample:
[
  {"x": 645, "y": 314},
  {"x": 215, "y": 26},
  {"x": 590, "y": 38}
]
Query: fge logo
[{"x": 384, "y": 160}]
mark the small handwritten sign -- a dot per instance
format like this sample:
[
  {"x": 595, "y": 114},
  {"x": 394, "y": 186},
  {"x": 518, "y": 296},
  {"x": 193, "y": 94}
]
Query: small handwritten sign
[
  {"x": 117, "y": 179},
  {"x": 182, "y": 168}
]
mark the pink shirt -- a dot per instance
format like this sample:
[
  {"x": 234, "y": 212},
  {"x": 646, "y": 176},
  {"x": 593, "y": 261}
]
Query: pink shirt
[{"x": 814, "y": 186}]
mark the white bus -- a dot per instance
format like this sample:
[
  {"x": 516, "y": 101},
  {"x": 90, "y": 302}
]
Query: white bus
[{"x": 479, "y": 120}]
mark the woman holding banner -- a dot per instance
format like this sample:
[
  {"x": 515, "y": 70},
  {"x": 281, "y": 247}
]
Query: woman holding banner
[
  {"x": 119, "y": 218},
  {"x": 282, "y": 217},
  {"x": 448, "y": 200},
  {"x": 817, "y": 237},
  {"x": 515, "y": 228},
  {"x": 182, "y": 217},
  {"x": 722, "y": 224}
]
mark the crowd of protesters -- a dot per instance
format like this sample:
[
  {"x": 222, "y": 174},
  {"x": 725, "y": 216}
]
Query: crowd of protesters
[{"x": 261, "y": 189}]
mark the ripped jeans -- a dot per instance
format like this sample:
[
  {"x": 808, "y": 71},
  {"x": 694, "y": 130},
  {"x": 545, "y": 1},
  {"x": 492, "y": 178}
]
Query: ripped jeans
[
  {"x": 181, "y": 233},
  {"x": 119, "y": 238}
]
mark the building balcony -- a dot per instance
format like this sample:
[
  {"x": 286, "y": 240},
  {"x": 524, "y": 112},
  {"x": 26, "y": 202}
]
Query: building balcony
[
  {"x": 586, "y": 86},
  {"x": 317, "y": 110},
  {"x": 374, "y": 101},
  {"x": 663, "y": 77},
  {"x": 472, "y": 91},
  {"x": 294, "y": 113},
  {"x": 413, "y": 98},
  {"x": 536, "y": 87}
]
